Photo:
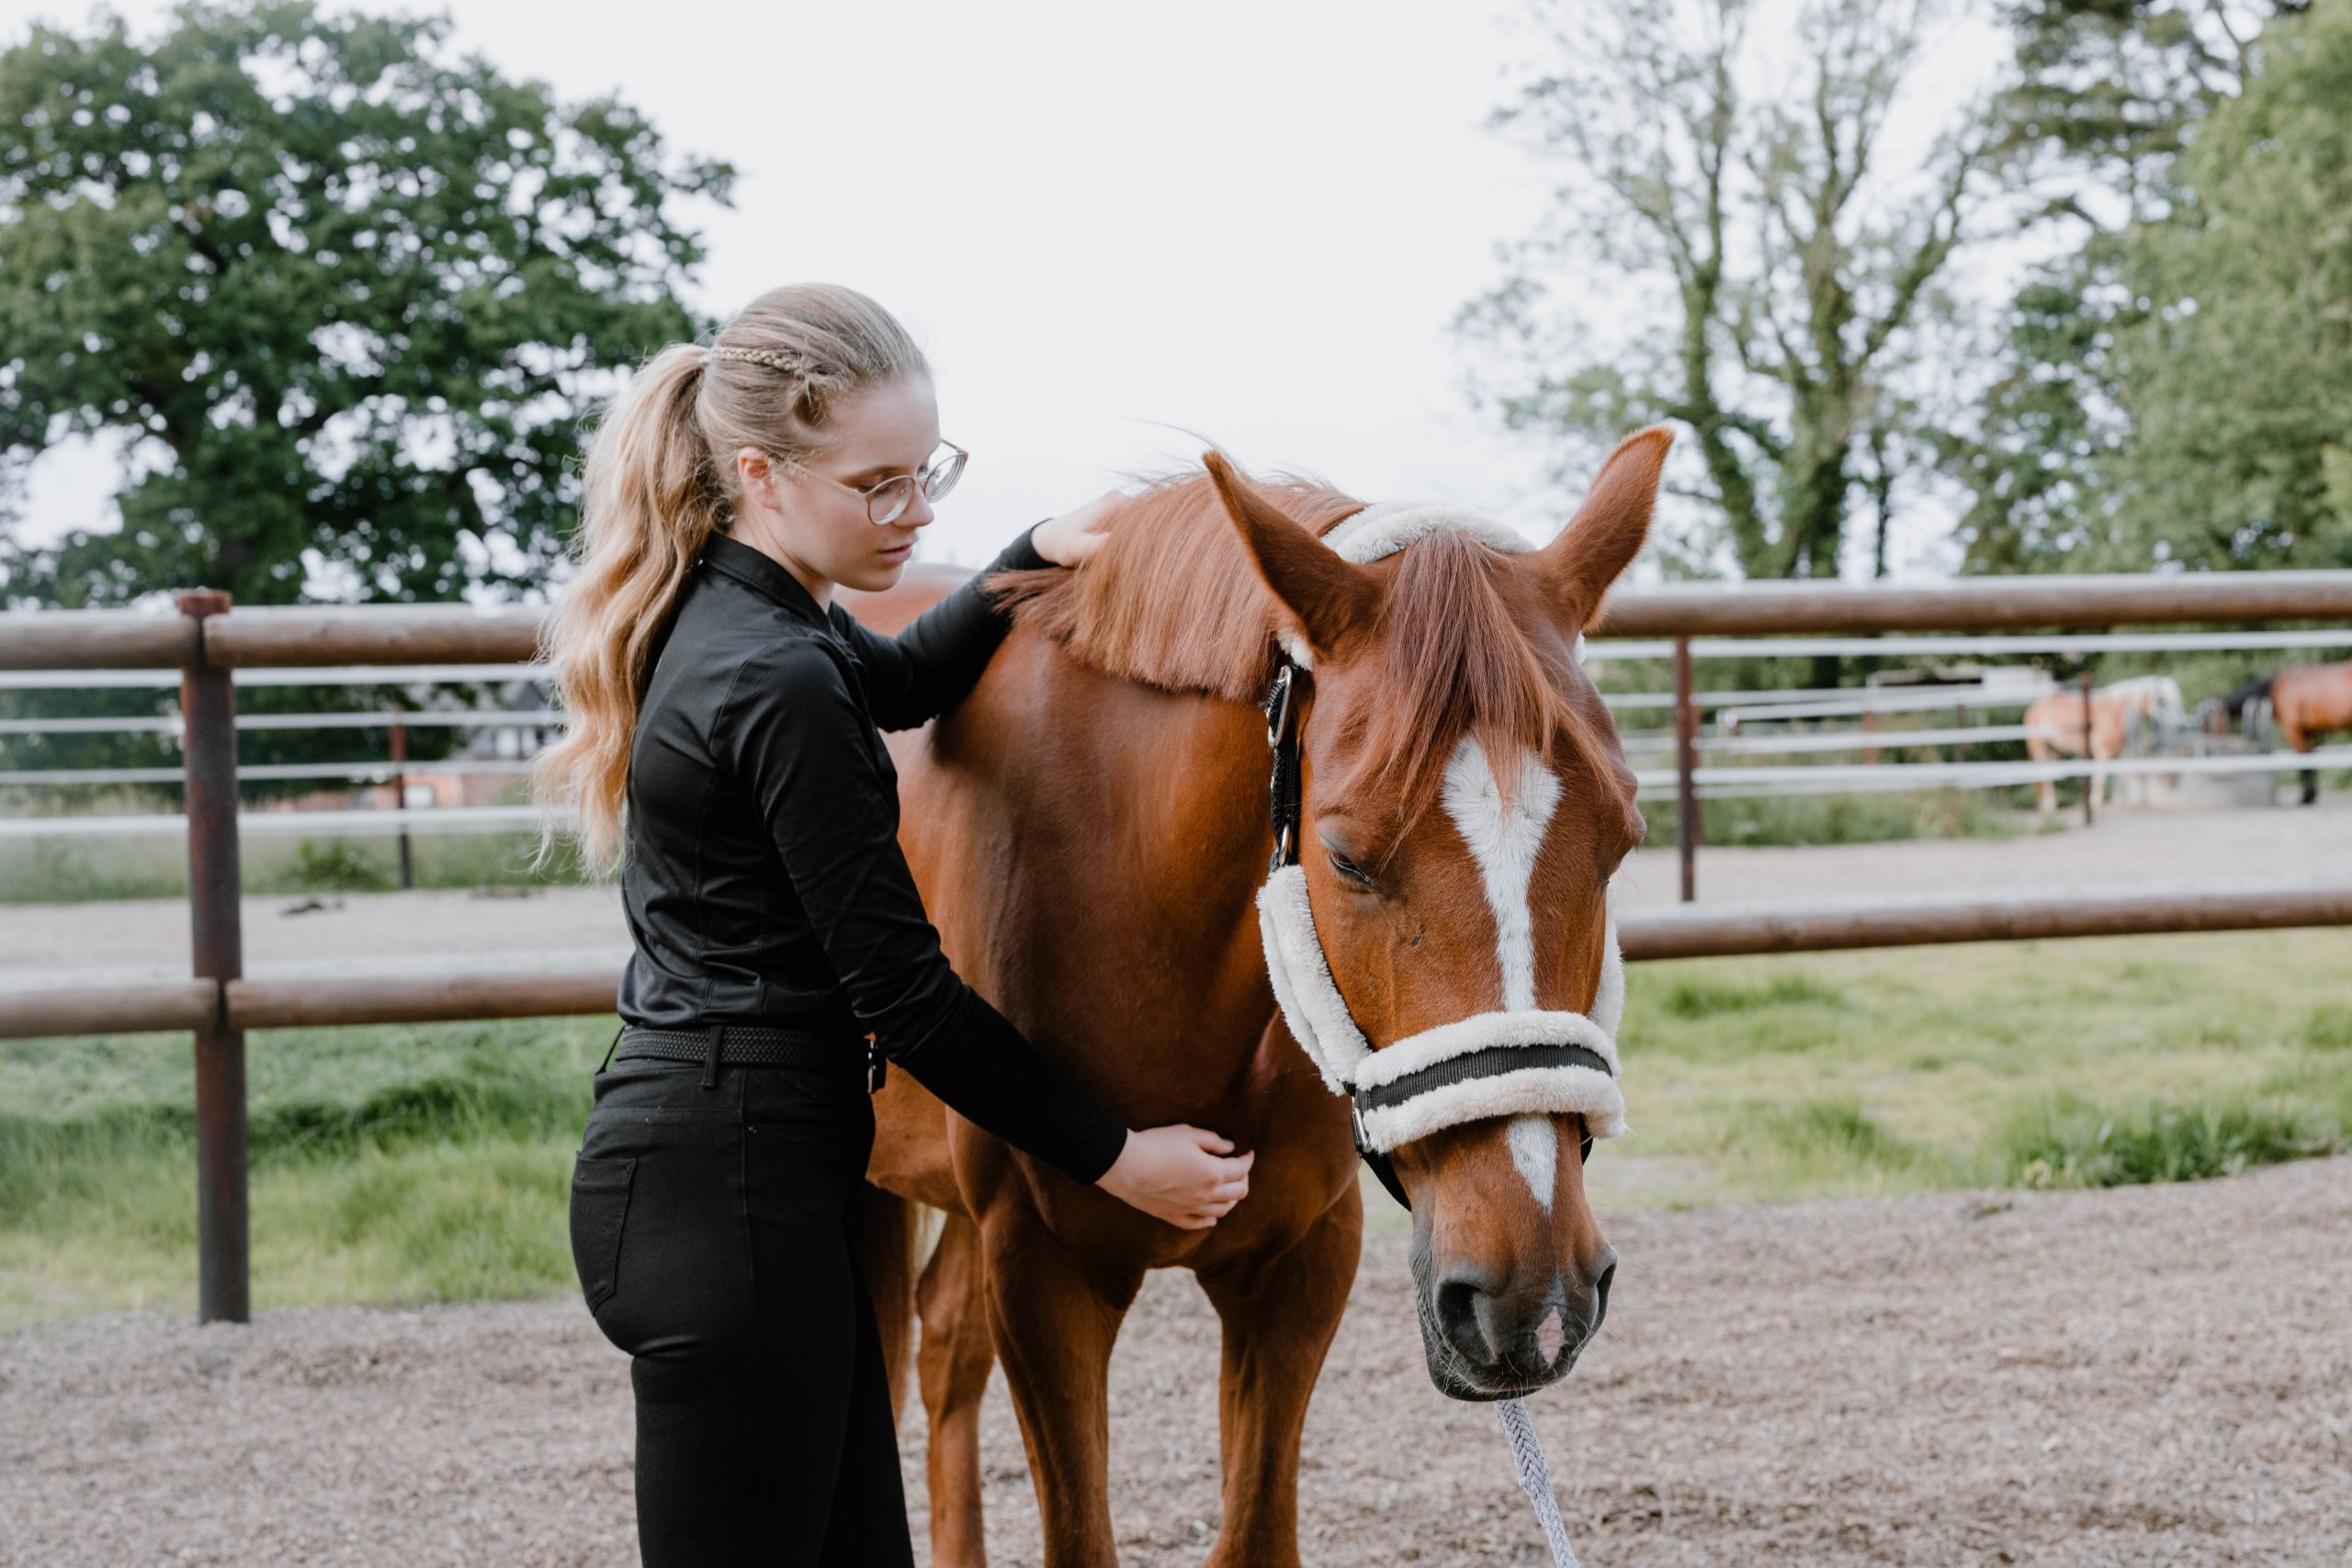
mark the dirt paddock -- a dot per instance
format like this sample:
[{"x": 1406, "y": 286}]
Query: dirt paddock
[{"x": 2154, "y": 1375}]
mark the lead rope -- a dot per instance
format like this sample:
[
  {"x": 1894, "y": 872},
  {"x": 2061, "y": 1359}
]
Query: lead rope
[{"x": 1535, "y": 1477}]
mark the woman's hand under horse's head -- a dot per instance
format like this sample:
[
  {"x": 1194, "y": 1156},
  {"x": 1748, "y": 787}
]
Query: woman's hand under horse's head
[
  {"x": 1074, "y": 535},
  {"x": 1188, "y": 1176}
]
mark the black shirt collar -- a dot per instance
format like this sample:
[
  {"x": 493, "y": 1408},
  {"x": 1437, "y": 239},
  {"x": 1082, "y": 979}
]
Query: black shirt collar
[{"x": 732, "y": 557}]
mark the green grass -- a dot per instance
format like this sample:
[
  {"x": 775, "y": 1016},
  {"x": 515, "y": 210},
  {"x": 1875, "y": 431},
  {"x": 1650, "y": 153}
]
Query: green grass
[
  {"x": 1907, "y": 1070},
  {"x": 2328, "y": 1027},
  {"x": 1702, "y": 996},
  {"x": 2065, "y": 1142},
  {"x": 404, "y": 1163},
  {"x": 429, "y": 1163}
]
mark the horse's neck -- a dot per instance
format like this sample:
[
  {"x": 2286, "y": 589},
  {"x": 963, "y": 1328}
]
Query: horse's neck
[
  {"x": 1188, "y": 788},
  {"x": 1174, "y": 825}
]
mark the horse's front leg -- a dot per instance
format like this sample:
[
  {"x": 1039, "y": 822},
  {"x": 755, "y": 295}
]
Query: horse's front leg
[
  {"x": 1278, "y": 1315},
  {"x": 2292, "y": 733},
  {"x": 2045, "y": 793},
  {"x": 955, "y": 1361},
  {"x": 1054, "y": 1316}
]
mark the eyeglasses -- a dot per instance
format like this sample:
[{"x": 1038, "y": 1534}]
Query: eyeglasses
[{"x": 885, "y": 500}]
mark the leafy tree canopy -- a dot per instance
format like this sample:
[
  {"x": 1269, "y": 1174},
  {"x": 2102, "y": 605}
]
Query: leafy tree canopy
[
  {"x": 342, "y": 295},
  {"x": 2107, "y": 93},
  {"x": 1729, "y": 251},
  {"x": 2238, "y": 375}
]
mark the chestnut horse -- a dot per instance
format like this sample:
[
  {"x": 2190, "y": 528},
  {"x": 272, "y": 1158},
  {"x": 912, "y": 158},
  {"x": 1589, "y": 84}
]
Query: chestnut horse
[
  {"x": 2306, "y": 702},
  {"x": 1090, "y": 829},
  {"x": 2056, "y": 722}
]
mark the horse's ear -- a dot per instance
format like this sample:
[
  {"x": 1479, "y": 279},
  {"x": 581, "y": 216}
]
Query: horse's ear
[
  {"x": 1329, "y": 597},
  {"x": 1606, "y": 534}
]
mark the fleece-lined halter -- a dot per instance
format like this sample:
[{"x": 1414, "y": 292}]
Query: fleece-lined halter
[{"x": 1513, "y": 1061}]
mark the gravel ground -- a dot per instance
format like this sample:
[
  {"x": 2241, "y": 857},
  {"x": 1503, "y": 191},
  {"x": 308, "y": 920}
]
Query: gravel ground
[{"x": 2146, "y": 1376}]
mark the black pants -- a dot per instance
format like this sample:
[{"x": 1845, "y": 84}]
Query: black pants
[{"x": 710, "y": 1229}]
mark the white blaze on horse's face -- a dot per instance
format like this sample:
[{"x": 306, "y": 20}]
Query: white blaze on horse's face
[
  {"x": 1505, "y": 838},
  {"x": 1535, "y": 1149}
]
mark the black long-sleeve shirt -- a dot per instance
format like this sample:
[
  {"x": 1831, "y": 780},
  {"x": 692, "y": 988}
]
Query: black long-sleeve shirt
[{"x": 763, "y": 882}]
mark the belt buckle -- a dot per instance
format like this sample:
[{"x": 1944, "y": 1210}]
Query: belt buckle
[{"x": 877, "y": 1067}]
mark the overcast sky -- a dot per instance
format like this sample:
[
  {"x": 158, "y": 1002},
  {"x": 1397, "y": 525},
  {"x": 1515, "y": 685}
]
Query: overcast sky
[{"x": 1111, "y": 224}]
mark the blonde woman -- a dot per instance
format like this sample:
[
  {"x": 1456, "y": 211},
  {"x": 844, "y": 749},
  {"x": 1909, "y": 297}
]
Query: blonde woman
[{"x": 722, "y": 753}]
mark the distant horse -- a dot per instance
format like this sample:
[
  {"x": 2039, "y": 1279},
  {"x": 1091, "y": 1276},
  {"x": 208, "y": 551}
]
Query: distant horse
[
  {"x": 1092, "y": 827},
  {"x": 2233, "y": 703},
  {"x": 2306, "y": 702},
  {"x": 2056, "y": 723}
]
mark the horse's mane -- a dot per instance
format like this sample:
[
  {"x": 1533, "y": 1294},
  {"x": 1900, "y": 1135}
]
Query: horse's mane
[
  {"x": 1173, "y": 600},
  {"x": 1170, "y": 599}
]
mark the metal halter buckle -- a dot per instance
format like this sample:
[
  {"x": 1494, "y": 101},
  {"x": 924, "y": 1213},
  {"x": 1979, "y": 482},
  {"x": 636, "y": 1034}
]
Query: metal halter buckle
[{"x": 1278, "y": 704}]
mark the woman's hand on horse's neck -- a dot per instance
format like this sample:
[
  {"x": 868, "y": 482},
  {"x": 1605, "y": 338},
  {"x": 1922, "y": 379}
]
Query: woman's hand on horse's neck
[{"x": 1074, "y": 535}]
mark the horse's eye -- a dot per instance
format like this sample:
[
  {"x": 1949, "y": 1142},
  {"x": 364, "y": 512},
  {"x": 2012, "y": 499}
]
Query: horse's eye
[{"x": 1349, "y": 871}]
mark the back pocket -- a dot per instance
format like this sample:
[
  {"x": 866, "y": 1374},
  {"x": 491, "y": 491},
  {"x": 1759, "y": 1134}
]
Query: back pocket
[{"x": 599, "y": 1210}]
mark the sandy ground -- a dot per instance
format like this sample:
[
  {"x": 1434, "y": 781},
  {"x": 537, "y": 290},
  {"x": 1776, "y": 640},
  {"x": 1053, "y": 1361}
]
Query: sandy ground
[
  {"x": 581, "y": 927},
  {"x": 2140, "y": 849},
  {"x": 2147, "y": 1376}
]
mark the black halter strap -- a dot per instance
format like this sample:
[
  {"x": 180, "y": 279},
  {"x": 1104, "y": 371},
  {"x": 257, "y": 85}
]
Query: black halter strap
[
  {"x": 1281, "y": 733},
  {"x": 1285, "y": 810}
]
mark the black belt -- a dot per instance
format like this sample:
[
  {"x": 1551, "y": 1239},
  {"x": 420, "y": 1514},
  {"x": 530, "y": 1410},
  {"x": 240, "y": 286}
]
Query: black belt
[{"x": 752, "y": 1045}]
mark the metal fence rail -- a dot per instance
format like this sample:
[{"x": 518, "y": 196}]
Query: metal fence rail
[
  {"x": 1999, "y": 647},
  {"x": 1974, "y": 605},
  {"x": 1868, "y": 776},
  {"x": 1644, "y": 936},
  {"x": 413, "y": 719},
  {"x": 207, "y": 643},
  {"x": 402, "y": 635},
  {"x": 388, "y": 819}
]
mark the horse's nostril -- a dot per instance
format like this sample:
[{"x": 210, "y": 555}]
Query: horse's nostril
[
  {"x": 1465, "y": 1303},
  {"x": 1457, "y": 1309},
  {"x": 1608, "y": 1262}
]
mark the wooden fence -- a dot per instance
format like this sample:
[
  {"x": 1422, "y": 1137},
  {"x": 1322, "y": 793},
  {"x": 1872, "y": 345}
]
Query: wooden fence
[{"x": 207, "y": 638}]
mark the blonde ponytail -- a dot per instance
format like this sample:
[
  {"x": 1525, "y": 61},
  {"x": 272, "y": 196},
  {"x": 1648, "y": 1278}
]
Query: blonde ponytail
[{"x": 656, "y": 487}]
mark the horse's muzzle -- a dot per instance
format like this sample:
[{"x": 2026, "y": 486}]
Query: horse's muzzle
[{"x": 1487, "y": 1339}]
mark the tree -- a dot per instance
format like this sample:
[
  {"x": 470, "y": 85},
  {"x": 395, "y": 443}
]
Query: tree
[
  {"x": 342, "y": 297},
  {"x": 2238, "y": 374},
  {"x": 1728, "y": 252},
  {"x": 2107, "y": 93}
]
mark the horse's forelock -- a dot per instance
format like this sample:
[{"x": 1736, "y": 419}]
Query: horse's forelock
[{"x": 1457, "y": 661}]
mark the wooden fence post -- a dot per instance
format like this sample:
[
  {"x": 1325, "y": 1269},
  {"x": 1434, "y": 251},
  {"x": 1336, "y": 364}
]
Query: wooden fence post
[
  {"x": 2090, "y": 751},
  {"x": 399, "y": 793},
  {"x": 1686, "y": 789},
  {"x": 209, "y": 747}
]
